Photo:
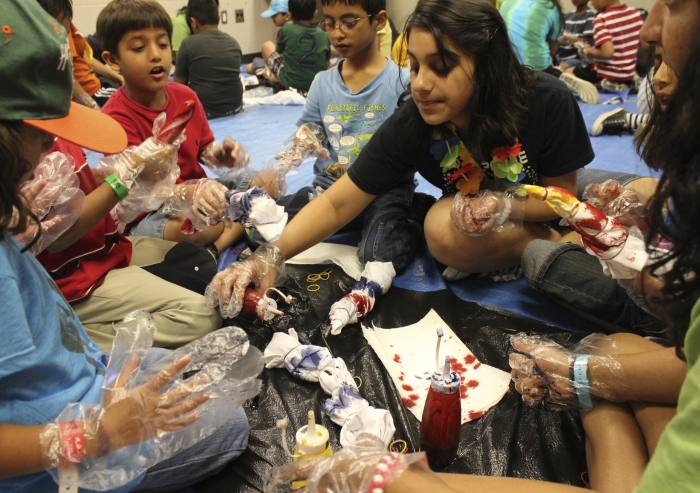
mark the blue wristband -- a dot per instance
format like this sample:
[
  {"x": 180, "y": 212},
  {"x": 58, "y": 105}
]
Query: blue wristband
[{"x": 581, "y": 383}]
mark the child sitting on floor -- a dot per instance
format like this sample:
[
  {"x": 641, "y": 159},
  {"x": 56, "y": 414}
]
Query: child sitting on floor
[
  {"x": 616, "y": 36},
  {"x": 210, "y": 62},
  {"x": 279, "y": 13},
  {"x": 48, "y": 362},
  {"x": 578, "y": 27},
  {"x": 302, "y": 49},
  {"x": 136, "y": 38},
  {"x": 352, "y": 101}
]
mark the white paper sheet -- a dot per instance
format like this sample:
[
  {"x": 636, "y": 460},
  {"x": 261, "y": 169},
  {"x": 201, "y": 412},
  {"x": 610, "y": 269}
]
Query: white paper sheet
[
  {"x": 344, "y": 256},
  {"x": 408, "y": 354}
]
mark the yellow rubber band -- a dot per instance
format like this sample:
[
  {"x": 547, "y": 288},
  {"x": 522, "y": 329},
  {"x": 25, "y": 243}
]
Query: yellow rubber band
[
  {"x": 402, "y": 451},
  {"x": 357, "y": 377},
  {"x": 315, "y": 287},
  {"x": 321, "y": 276}
]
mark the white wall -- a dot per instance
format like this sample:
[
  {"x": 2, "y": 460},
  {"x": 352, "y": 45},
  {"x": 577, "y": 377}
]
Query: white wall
[{"x": 250, "y": 34}]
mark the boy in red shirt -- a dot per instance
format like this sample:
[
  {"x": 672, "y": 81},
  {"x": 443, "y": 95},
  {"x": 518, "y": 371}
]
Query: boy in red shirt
[
  {"x": 616, "y": 36},
  {"x": 136, "y": 37},
  {"x": 98, "y": 271}
]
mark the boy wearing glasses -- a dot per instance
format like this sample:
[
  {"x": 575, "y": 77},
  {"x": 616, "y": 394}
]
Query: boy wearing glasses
[
  {"x": 302, "y": 49},
  {"x": 351, "y": 101}
]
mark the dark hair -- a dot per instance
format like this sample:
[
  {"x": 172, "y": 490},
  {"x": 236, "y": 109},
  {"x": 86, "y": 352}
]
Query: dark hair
[
  {"x": 13, "y": 167},
  {"x": 672, "y": 145},
  {"x": 122, "y": 16},
  {"x": 302, "y": 10},
  {"x": 372, "y": 7},
  {"x": 500, "y": 105},
  {"x": 56, "y": 8},
  {"x": 205, "y": 12}
]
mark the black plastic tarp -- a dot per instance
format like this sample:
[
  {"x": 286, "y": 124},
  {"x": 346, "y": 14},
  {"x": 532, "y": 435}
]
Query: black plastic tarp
[{"x": 509, "y": 440}]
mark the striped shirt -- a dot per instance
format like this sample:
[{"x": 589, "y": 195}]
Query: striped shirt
[
  {"x": 575, "y": 27},
  {"x": 621, "y": 26}
]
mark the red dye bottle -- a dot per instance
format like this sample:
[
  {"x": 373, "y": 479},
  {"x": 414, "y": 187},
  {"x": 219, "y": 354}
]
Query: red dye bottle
[
  {"x": 256, "y": 305},
  {"x": 442, "y": 418}
]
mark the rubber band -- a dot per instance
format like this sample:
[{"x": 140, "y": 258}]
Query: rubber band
[
  {"x": 315, "y": 287},
  {"x": 404, "y": 450},
  {"x": 321, "y": 276},
  {"x": 357, "y": 377}
]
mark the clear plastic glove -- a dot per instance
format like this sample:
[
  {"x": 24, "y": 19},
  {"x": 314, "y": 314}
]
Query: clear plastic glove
[
  {"x": 55, "y": 198},
  {"x": 308, "y": 140},
  {"x": 624, "y": 204},
  {"x": 202, "y": 202},
  {"x": 477, "y": 215},
  {"x": 222, "y": 157},
  {"x": 582, "y": 47},
  {"x": 542, "y": 371},
  {"x": 147, "y": 416},
  {"x": 264, "y": 269},
  {"x": 361, "y": 466}
]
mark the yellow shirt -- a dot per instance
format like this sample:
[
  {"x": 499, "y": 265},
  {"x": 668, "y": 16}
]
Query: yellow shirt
[
  {"x": 399, "y": 53},
  {"x": 384, "y": 40}
]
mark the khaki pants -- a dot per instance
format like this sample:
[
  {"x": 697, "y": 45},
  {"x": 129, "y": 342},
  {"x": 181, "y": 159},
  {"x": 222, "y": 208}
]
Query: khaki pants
[{"x": 181, "y": 315}]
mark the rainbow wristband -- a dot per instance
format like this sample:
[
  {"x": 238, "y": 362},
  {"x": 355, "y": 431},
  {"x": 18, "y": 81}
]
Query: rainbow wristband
[{"x": 118, "y": 186}]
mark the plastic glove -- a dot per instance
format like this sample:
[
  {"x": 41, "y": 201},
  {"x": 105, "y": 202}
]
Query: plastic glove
[
  {"x": 542, "y": 368},
  {"x": 477, "y": 215},
  {"x": 264, "y": 269},
  {"x": 624, "y": 204},
  {"x": 55, "y": 198},
  {"x": 308, "y": 140},
  {"x": 255, "y": 208},
  {"x": 146, "y": 416},
  {"x": 149, "y": 170},
  {"x": 351, "y": 470},
  {"x": 222, "y": 157},
  {"x": 202, "y": 202}
]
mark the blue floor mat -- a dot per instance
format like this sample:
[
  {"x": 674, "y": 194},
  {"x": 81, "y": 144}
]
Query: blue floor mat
[{"x": 263, "y": 129}]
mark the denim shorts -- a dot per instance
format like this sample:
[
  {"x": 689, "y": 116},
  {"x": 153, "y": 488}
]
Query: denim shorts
[{"x": 586, "y": 176}]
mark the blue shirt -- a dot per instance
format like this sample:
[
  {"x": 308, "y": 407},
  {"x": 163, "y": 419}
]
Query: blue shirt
[
  {"x": 350, "y": 119},
  {"x": 576, "y": 26},
  {"x": 530, "y": 24},
  {"x": 46, "y": 359}
]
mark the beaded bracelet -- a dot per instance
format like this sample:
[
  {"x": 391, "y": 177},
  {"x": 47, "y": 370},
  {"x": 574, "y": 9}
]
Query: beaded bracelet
[{"x": 387, "y": 467}]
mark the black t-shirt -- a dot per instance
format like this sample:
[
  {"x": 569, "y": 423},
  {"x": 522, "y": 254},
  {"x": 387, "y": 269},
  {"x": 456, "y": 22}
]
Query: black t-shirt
[
  {"x": 554, "y": 142},
  {"x": 211, "y": 63}
]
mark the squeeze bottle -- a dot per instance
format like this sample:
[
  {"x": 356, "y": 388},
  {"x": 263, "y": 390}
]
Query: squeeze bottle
[{"x": 311, "y": 443}]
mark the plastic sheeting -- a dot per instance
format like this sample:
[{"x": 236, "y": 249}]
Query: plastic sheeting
[{"x": 511, "y": 439}]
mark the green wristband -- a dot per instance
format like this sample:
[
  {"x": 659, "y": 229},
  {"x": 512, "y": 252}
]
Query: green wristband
[{"x": 118, "y": 186}]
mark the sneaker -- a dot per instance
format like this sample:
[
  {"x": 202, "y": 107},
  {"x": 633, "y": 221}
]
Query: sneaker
[
  {"x": 611, "y": 123},
  {"x": 584, "y": 89},
  {"x": 610, "y": 86}
]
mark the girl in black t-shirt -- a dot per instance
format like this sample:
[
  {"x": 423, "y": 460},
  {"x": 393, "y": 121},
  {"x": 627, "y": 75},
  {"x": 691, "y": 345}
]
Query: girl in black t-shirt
[{"x": 477, "y": 123}]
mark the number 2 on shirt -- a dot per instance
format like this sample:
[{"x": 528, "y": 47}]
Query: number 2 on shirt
[{"x": 307, "y": 60}]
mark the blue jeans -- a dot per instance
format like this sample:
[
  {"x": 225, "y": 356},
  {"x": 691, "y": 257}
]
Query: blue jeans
[
  {"x": 387, "y": 236},
  {"x": 567, "y": 273}
]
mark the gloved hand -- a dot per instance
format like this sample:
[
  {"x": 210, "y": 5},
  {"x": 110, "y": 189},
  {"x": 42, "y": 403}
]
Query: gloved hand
[
  {"x": 624, "y": 204},
  {"x": 55, "y": 198},
  {"x": 477, "y": 215},
  {"x": 222, "y": 157},
  {"x": 201, "y": 201},
  {"x": 542, "y": 371},
  {"x": 129, "y": 416},
  {"x": 364, "y": 465},
  {"x": 265, "y": 268},
  {"x": 151, "y": 161}
]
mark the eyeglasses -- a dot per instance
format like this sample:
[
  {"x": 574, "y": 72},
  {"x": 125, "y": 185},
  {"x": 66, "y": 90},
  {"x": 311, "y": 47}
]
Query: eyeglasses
[{"x": 344, "y": 25}]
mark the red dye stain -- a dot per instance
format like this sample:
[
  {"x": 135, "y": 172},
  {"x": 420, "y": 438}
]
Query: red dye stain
[
  {"x": 463, "y": 391},
  {"x": 407, "y": 387},
  {"x": 397, "y": 358},
  {"x": 401, "y": 378},
  {"x": 472, "y": 384},
  {"x": 414, "y": 397},
  {"x": 362, "y": 303},
  {"x": 408, "y": 402},
  {"x": 477, "y": 365},
  {"x": 457, "y": 366},
  {"x": 475, "y": 415},
  {"x": 469, "y": 359}
]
